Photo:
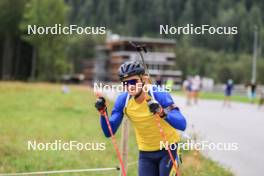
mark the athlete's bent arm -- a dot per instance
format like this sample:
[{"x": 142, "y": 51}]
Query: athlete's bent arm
[
  {"x": 116, "y": 117},
  {"x": 176, "y": 119}
]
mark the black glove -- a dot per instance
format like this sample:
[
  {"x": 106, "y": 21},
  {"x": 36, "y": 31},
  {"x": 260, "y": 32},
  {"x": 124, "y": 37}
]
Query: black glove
[
  {"x": 154, "y": 106},
  {"x": 100, "y": 104}
]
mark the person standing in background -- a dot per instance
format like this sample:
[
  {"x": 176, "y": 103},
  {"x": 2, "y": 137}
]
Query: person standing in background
[
  {"x": 253, "y": 92},
  {"x": 196, "y": 87},
  {"x": 228, "y": 92},
  {"x": 251, "y": 89},
  {"x": 159, "y": 80},
  {"x": 187, "y": 88}
]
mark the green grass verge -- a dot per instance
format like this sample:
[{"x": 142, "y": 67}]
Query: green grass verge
[
  {"x": 217, "y": 96},
  {"x": 195, "y": 164},
  {"x": 39, "y": 111}
]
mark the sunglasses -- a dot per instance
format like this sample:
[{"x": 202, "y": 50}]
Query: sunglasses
[{"x": 130, "y": 82}]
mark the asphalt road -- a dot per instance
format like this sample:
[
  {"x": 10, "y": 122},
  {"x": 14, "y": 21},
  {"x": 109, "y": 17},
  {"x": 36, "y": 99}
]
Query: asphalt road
[{"x": 242, "y": 124}]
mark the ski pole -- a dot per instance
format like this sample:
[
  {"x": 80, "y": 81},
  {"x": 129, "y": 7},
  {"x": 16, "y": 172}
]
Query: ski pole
[
  {"x": 164, "y": 138},
  {"x": 114, "y": 142},
  {"x": 141, "y": 48},
  {"x": 113, "y": 139}
]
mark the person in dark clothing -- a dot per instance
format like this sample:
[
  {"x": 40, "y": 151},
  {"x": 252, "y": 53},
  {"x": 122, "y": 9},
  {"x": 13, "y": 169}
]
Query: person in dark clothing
[
  {"x": 159, "y": 80},
  {"x": 228, "y": 92},
  {"x": 252, "y": 88}
]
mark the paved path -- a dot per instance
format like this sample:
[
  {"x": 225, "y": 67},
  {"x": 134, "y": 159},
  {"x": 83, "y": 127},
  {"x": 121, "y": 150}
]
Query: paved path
[{"x": 242, "y": 124}]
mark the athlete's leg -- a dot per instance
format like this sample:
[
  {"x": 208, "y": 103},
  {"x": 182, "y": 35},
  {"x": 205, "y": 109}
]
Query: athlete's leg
[
  {"x": 148, "y": 164},
  {"x": 166, "y": 165}
]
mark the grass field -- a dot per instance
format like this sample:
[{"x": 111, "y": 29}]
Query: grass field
[
  {"x": 218, "y": 96},
  {"x": 41, "y": 112}
]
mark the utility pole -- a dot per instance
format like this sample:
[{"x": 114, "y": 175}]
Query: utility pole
[
  {"x": 124, "y": 143},
  {"x": 255, "y": 55}
]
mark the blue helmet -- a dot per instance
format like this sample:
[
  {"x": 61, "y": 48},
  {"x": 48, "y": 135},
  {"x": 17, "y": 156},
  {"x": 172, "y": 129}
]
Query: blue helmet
[{"x": 131, "y": 68}]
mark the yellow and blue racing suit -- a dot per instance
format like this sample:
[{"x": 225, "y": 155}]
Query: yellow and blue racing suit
[{"x": 152, "y": 160}]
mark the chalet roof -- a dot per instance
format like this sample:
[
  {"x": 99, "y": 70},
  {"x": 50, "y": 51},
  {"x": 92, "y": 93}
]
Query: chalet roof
[{"x": 123, "y": 39}]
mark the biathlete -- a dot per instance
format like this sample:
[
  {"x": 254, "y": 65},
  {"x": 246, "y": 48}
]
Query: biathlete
[{"x": 141, "y": 107}]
